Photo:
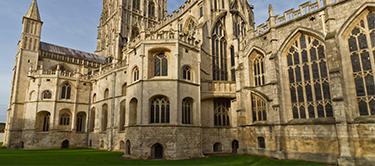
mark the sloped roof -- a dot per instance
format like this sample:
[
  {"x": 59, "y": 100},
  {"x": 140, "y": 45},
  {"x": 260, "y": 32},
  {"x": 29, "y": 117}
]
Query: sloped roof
[{"x": 71, "y": 52}]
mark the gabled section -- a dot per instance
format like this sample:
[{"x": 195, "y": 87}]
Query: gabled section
[{"x": 33, "y": 11}]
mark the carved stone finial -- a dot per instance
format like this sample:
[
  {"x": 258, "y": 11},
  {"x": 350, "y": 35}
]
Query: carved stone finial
[{"x": 270, "y": 10}]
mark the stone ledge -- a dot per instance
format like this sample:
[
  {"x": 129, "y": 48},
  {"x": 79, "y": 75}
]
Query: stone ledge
[
  {"x": 315, "y": 121},
  {"x": 364, "y": 119}
]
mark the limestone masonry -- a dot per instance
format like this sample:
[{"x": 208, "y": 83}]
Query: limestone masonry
[{"x": 203, "y": 80}]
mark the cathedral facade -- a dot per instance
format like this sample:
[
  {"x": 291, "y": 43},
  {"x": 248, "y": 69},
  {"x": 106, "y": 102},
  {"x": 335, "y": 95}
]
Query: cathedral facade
[{"x": 203, "y": 80}]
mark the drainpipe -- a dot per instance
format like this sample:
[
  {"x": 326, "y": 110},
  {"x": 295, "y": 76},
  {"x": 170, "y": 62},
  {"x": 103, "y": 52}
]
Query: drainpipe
[
  {"x": 113, "y": 109},
  {"x": 88, "y": 117}
]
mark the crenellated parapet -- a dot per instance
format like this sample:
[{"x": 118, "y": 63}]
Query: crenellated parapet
[{"x": 304, "y": 9}]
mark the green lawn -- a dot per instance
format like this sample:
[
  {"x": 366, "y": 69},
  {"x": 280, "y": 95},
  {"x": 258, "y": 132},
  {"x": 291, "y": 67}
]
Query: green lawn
[{"x": 97, "y": 157}]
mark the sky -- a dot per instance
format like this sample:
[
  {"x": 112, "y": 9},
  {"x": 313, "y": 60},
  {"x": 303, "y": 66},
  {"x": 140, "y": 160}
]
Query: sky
[{"x": 73, "y": 24}]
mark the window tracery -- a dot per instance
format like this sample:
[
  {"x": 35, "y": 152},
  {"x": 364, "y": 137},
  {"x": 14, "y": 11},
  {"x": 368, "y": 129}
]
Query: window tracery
[
  {"x": 219, "y": 52},
  {"x": 259, "y": 108},
  {"x": 66, "y": 91},
  {"x": 135, "y": 74},
  {"x": 221, "y": 112},
  {"x": 191, "y": 27},
  {"x": 160, "y": 110},
  {"x": 47, "y": 94},
  {"x": 136, "y": 4},
  {"x": 186, "y": 111},
  {"x": 239, "y": 28},
  {"x": 151, "y": 9},
  {"x": 45, "y": 118},
  {"x": 187, "y": 73},
  {"x": 309, "y": 82},
  {"x": 258, "y": 70},
  {"x": 361, "y": 41},
  {"x": 64, "y": 119},
  {"x": 80, "y": 122},
  {"x": 161, "y": 65}
]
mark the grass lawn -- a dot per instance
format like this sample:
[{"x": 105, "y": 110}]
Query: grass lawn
[{"x": 97, "y": 157}]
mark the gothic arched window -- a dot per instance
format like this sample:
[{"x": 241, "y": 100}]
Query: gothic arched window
[
  {"x": 309, "y": 81},
  {"x": 94, "y": 98},
  {"x": 187, "y": 111},
  {"x": 258, "y": 70},
  {"x": 219, "y": 51},
  {"x": 161, "y": 65},
  {"x": 159, "y": 110},
  {"x": 135, "y": 74},
  {"x": 136, "y": 4},
  {"x": 361, "y": 41},
  {"x": 92, "y": 119},
  {"x": 259, "y": 108},
  {"x": 238, "y": 27},
  {"x": 81, "y": 118},
  {"x": 47, "y": 94},
  {"x": 151, "y": 9},
  {"x": 66, "y": 91},
  {"x": 104, "y": 117},
  {"x": 124, "y": 90},
  {"x": 64, "y": 119},
  {"x": 221, "y": 112},
  {"x": 191, "y": 27},
  {"x": 187, "y": 73},
  {"x": 43, "y": 121},
  {"x": 106, "y": 94}
]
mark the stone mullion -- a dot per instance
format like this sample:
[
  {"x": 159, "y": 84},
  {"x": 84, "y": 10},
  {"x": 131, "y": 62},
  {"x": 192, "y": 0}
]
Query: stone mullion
[{"x": 370, "y": 49}]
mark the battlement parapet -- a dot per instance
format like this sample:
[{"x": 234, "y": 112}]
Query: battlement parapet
[{"x": 291, "y": 14}]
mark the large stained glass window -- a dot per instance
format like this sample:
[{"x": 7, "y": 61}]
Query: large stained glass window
[
  {"x": 361, "y": 41},
  {"x": 160, "y": 110},
  {"x": 221, "y": 112},
  {"x": 259, "y": 108},
  {"x": 309, "y": 82},
  {"x": 219, "y": 52}
]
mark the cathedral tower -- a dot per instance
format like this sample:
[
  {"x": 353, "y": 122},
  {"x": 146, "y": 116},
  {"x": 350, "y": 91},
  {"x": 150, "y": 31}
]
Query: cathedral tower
[
  {"x": 26, "y": 60},
  {"x": 123, "y": 20}
]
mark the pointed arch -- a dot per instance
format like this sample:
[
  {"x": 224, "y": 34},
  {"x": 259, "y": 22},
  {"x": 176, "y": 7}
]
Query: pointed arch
[
  {"x": 135, "y": 74},
  {"x": 258, "y": 107},
  {"x": 354, "y": 16},
  {"x": 66, "y": 90},
  {"x": 257, "y": 70},
  {"x": 292, "y": 37},
  {"x": 190, "y": 25},
  {"x": 159, "y": 109},
  {"x": 219, "y": 51},
  {"x": 217, "y": 19},
  {"x": 360, "y": 44},
  {"x": 306, "y": 68}
]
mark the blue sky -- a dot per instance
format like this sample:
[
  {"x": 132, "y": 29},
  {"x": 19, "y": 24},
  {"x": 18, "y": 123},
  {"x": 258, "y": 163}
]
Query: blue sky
[{"x": 73, "y": 24}]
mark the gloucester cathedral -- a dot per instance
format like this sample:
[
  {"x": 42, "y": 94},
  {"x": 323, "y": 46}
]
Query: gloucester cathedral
[{"x": 203, "y": 80}]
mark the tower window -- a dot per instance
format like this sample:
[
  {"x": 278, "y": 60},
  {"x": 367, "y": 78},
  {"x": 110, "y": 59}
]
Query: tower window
[
  {"x": 66, "y": 91},
  {"x": 160, "y": 110},
  {"x": 47, "y": 94},
  {"x": 161, "y": 65}
]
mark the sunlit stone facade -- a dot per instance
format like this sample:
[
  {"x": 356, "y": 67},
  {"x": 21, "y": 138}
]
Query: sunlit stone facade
[{"x": 203, "y": 80}]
